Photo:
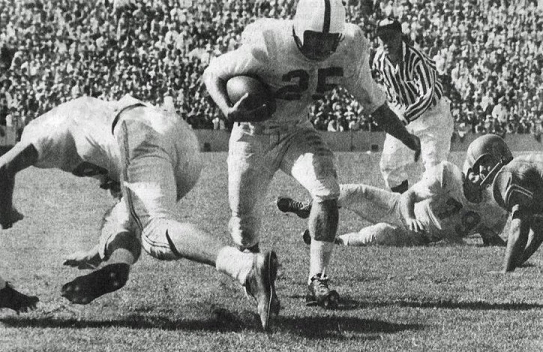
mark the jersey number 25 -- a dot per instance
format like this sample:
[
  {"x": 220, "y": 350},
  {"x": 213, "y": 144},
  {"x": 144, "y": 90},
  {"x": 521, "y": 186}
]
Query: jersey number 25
[{"x": 301, "y": 83}]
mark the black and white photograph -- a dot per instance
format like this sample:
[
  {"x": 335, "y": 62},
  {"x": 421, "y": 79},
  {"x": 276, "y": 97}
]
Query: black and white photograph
[{"x": 271, "y": 175}]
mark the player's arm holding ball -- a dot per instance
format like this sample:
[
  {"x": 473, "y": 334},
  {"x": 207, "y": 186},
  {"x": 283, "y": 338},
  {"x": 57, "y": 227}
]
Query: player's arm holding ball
[{"x": 231, "y": 82}]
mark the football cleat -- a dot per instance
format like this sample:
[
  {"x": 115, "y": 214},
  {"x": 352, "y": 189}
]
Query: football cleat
[
  {"x": 289, "y": 205},
  {"x": 84, "y": 289},
  {"x": 19, "y": 302},
  {"x": 260, "y": 284},
  {"x": 320, "y": 294}
]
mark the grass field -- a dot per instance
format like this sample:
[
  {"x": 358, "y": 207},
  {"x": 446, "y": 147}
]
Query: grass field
[{"x": 436, "y": 298}]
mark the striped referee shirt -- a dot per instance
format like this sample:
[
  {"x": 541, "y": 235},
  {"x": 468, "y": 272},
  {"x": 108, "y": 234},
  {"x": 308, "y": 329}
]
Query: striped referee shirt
[{"x": 412, "y": 84}]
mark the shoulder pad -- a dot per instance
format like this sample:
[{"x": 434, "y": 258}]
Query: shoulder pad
[
  {"x": 434, "y": 179},
  {"x": 508, "y": 191},
  {"x": 444, "y": 172},
  {"x": 263, "y": 37},
  {"x": 354, "y": 38},
  {"x": 452, "y": 173}
]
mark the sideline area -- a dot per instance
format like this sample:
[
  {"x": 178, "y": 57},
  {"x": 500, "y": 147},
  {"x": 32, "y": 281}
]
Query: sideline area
[{"x": 360, "y": 141}]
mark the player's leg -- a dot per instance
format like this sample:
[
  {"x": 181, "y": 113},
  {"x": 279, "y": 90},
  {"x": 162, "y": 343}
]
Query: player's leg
[
  {"x": 370, "y": 203},
  {"x": 249, "y": 176},
  {"x": 15, "y": 300},
  {"x": 395, "y": 159},
  {"x": 118, "y": 250},
  {"x": 18, "y": 158},
  {"x": 152, "y": 202},
  {"x": 250, "y": 172},
  {"x": 435, "y": 129},
  {"x": 383, "y": 234},
  {"x": 311, "y": 162},
  {"x": 149, "y": 190}
]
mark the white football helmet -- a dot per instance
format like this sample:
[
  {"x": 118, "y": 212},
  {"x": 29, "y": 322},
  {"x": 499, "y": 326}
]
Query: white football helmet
[{"x": 318, "y": 27}]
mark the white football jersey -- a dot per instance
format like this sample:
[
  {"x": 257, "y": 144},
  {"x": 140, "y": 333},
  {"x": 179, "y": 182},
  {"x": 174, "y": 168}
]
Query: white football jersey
[
  {"x": 269, "y": 52},
  {"x": 446, "y": 212},
  {"x": 77, "y": 137}
]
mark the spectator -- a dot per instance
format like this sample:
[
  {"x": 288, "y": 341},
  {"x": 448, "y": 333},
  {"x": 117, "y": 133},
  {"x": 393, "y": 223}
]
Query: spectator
[{"x": 132, "y": 44}]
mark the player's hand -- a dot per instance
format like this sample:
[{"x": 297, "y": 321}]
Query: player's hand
[
  {"x": 7, "y": 221},
  {"x": 494, "y": 241},
  {"x": 83, "y": 260},
  {"x": 414, "y": 225},
  {"x": 413, "y": 143},
  {"x": 239, "y": 112}
]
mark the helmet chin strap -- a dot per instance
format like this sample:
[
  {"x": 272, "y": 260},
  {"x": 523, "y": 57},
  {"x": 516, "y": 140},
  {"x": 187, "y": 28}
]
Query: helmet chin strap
[{"x": 297, "y": 39}]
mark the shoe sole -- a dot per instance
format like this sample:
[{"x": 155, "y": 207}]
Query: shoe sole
[
  {"x": 270, "y": 268},
  {"x": 17, "y": 301},
  {"x": 85, "y": 289}
]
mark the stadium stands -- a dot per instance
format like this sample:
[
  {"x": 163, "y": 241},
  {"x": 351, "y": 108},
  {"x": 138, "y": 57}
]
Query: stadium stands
[{"x": 489, "y": 54}]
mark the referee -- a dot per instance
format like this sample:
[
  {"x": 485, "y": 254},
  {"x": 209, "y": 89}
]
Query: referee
[{"x": 415, "y": 93}]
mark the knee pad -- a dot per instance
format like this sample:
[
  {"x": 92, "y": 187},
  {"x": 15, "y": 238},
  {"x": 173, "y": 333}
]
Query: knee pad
[{"x": 327, "y": 219}]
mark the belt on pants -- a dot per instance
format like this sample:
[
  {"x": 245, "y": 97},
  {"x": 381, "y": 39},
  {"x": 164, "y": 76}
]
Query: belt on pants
[{"x": 118, "y": 116}]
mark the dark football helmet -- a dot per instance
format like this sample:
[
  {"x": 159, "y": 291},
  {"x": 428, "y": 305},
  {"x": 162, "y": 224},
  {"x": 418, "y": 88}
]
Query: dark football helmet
[{"x": 488, "y": 147}]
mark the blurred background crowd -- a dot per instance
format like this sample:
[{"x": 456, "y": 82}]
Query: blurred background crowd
[{"x": 489, "y": 54}]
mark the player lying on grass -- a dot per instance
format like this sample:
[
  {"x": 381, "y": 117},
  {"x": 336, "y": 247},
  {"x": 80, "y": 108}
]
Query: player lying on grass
[
  {"x": 13, "y": 299},
  {"x": 299, "y": 60},
  {"x": 149, "y": 158},
  {"x": 517, "y": 186},
  {"x": 442, "y": 206}
]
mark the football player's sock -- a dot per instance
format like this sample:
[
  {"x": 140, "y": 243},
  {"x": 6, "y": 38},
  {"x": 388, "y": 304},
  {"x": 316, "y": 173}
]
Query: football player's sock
[
  {"x": 321, "y": 253},
  {"x": 357, "y": 239},
  {"x": 122, "y": 255},
  {"x": 2, "y": 283},
  {"x": 234, "y": 263}
]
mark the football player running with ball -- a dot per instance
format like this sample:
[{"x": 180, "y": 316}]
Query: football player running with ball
[
  {"x": 149, "y": 159},
  {"x": 442, "y": 206},
  {"x": 517, "y": 186},
  {"x": 299, "y": 60}
]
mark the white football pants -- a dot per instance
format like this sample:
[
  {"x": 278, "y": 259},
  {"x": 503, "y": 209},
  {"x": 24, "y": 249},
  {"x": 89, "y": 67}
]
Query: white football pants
[
  {"x": 161, "y": 164},
  {"x": 381, "y": 208},
  {"x": 434, "y": 128},
  {"x": 256, "y": 153}
]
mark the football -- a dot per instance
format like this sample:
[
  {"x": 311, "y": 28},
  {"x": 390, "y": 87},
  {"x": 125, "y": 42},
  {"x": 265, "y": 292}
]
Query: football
[{"x": 259, "y": 94}]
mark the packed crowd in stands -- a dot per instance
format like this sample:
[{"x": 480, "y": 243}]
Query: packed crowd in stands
[{"x": 489, "y": 54}]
